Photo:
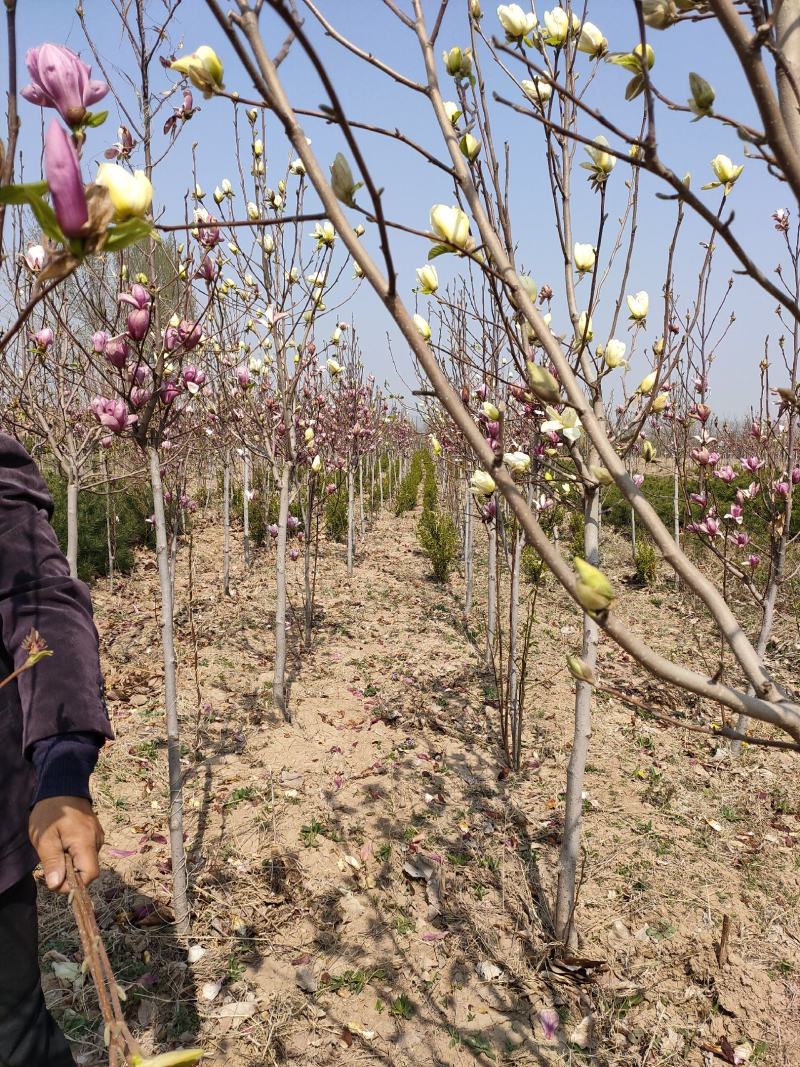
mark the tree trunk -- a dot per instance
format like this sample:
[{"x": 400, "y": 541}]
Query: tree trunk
[
  {"x": 226, "y": 524},
  {"x": 73, "y": 488},
  {"x": 513, "y": 644},
  {"x": 491, "y": 607},
  {"x": 308, "y": 584},
  {"x": 350, "y": 521},
  {"x": 469, "y": 554},
  {"x": 110, "y": 526},
  {"x": 787, "y": 33},
  {"x": 246, "y": 508},
  {"x": 180, "y": 894},
  {"x": 573, "y": 811},
  {"x": 279, "y": 697},
  {"x": 361, "y": 496}
]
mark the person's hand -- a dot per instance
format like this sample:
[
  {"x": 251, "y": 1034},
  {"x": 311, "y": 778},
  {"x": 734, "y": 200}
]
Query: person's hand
[{"x": 61, "y": 825}]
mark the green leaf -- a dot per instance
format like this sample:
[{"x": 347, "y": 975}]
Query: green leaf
[
  {"x": 21, "y": 194},
  {"x": 46, "y": 218},
  {"x": 634, "y": 87},
  {"x": 439, "y": 250},
  {"x": 95, "y": 119},
  {"x": 126, "y": 233},
  {"x": 628, "y": 60}
]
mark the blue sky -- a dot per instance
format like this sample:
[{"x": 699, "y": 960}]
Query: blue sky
[{"x": 412, "y": 186}]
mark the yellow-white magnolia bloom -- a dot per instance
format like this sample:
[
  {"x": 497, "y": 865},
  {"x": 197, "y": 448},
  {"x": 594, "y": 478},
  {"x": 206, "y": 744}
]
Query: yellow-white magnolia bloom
[
  {"x": 423, "y": 329},
  {"x": 726, "y": 172},
  {"x": 593, "y": 589},
  {"x": 614, "y": 353},
  {"x": 470, "y": 147},
  {"x": 334, "y": 368},
  {"x": 452, "y": 225},
  {"x": 557, "y": 26},
  {"x": 591, "y": 41},
  {"x": 660, "y": 402},
  {"x": 602, "y": 162},
  {"x": 428, "y": 279},
  {"x": 324, "y": 234},
  {"x": 565, "y": 422},
  {"x": 537, "y": 90},
  {"x": 490, "y": 411},
  {"x": 436, "y": 445},
  {"x": 659, "y": 14},
  {"x": 131, "y": 194},
  {"x": 638, "y": 305},
  {"x": 316, "y": 464},
  {"x": 517, "y": 462},
  {"x": 516, "y": 22},
  {"x": 585, "y": 331},
  {"x": 203, "y": 69},
  {"x": 317, "y": 277},
  {"x": 452, "y": 111},
  {"x": 584, "y": 257},
  {"x": 647, "y": 383},
  {"x": 309, "y": 435},
  {"x": 481, "y": 484}
]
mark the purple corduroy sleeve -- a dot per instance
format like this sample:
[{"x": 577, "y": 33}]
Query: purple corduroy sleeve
[{"x": 63, "y": 693}]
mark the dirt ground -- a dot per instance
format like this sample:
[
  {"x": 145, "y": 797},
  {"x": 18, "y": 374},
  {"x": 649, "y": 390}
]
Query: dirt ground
[{"x": 370, "y": 888}]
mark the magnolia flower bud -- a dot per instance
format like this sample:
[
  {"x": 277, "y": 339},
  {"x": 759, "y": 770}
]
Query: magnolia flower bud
[
  {"x": 659, "y": 14},
  {"x": 452, "y": 111},
  {"x": 297, "y": 166},
  {"x": 490, "y": 411},
  {"x": 659, "y": 403},
  {"x": 580, "y": 670},
  {"x": 423, "y": 329},
  {"x": 726, "y": 171},
  {"x": 558, "y": 25},
  {"x": 428, "y": 279},
  {"x": 252, "y": 210},
  {"x": 316, "y": 464},
  {"x": 584, "y": 257},
  {"x": 602, "y": 475},
  {"x": 648, "y": 452},
  {"x": 309, "y": 435},
  {"x": 593, "y": 589},
  {"x": 359, "y": 230},
  {"x": 458, "y": 62},
  {"x": 470, "y": 147},
  {"x": 268, "y": 244},
  {"x": 334, "y": 368},
  {"x": 585, "y": 331},
  {"x": 543, "y": 384},
  {"x": 252, "y": 114},
  {"x": 258, "y": 147}
]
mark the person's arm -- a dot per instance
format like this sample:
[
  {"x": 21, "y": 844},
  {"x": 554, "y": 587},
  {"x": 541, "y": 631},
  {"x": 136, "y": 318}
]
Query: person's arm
[{"x": 64, "y": 714}]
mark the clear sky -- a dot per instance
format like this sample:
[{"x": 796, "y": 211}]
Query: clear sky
[{"x": 412, "y": 186}]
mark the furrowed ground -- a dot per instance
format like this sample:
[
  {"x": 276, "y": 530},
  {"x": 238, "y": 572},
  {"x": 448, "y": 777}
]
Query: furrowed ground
[{"x": 370, "y": 888}]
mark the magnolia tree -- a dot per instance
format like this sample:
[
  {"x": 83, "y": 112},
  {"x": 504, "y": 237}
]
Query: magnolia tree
[{"x": 550, "y": 73}]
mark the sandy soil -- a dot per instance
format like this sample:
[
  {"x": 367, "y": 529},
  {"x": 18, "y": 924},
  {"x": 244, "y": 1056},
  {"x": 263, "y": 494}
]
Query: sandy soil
[{"x": 370, "y": 888}]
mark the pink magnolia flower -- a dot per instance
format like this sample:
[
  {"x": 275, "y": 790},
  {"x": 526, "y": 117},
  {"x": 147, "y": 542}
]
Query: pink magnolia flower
[
  {"x": 35, "y": 257},
  {"x": 190, "y": 334},
  {"x": 725, "y": 474},
  {"x": 292, "y": 523},
  {"x": 63, "y": 174},
  {"x": 208, "y": 269},
  {"x": 112, "y": 414},
  {"x": 756, "y": 431},
  {"x": 700, "y": 383},
  {"x": 140, "y": 396},
  {"x": 735, "y": 514},
  {"x": 193, "y": 378},
  {"x": 138, "y": 319},
  {"x": 140, "y": 374},
  {"x": 273, "y": 530},
  {"x": 42, "y": 339},
  {"x": 638, "y": 480},
  {"x": 750, "y": 493},
  {"x": 795, "y": 476},
  {"x": 61, "y": 80},
  {"x": 754, "y": 560},
  {"x": 781, "y": 488},
  {"x": 169, "y": 391},
  {"x": 752, "y": 464},
  {"x": 550, "y": 1022},
  {"x": 742, "y": 539},
  {"x": 243, "y": 377},
  {"x": 99, "y": 340},
  {"x": 294, "y": 555},
  {"x": 704, "y": 457},
  {"x": 709, "y": 526},
  {"x": 330, "y": 489},
  {"x": 701, "y": 412},
  {"x": 116, "y": 351}
]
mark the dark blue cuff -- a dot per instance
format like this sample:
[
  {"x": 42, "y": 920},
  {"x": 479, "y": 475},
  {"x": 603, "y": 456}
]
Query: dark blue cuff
[{"x": 64, "y": 765}]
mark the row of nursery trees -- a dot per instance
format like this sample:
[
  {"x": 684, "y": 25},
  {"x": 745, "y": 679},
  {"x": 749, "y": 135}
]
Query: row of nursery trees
[{"x": 220, "y": 339}]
